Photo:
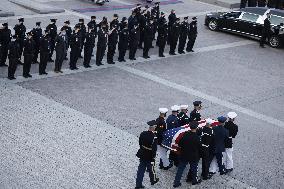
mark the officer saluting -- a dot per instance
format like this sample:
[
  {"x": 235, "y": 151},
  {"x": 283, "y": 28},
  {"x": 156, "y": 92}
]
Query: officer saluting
[
  {"x": 52, "y": 34},
  {"x": 37, "y": 33},
  {"x": 5, "y": 39},
  {"x": 89, "y": 46},
  {"x": 20, "y": 32},
  {"x": 233, "y": 131},
  {"x": 112, "y": 39},
  {"x": 14, "y": 56},
  {"x": 75, "y": 44},
  {"x": 147, "y": 154},
  {"x": 44, "y": 51},
  {"x": 184, "y": 28},
  {"x": 102, "y": 43},
  {"x": 192, "y": 34},
  {"x": 175, "y": 31},
  {"x": 195, "y": 114},
  {"x": 162, "y": 34},
  {"x": 29, "y": 47},
  {"x": 182, "y": 116},
  {"x": 134, "y": 38}
]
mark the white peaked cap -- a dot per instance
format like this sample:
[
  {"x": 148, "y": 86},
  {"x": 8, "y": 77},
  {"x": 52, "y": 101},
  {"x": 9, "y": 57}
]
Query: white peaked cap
[
  {"x": 209, "y": 121},
  {"x": 232, "y": 115},
  {"x": 183, "y": 107},
  {"x": 163, "y": 110},
  {"x": 175, "y": 108}
]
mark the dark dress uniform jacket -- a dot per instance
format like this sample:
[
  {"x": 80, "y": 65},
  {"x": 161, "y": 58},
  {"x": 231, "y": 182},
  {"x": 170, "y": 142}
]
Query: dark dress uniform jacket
[
  {"x": 123, "y": 39},
  {"x": 29, "y": 47},
  {"x": 172, "y": 122},
  {"x": 14, "y": 48},
  {"x": 220, "y": 136},
  {"x": 190, "y": 147},
  {"x": 148, "y": 146},
  {"x": 207, "y": 138},
  {"x": 161, "y": 128},
  {"x": 183, "y": 119},
  {"x": 195, "y": 115},
  {"x": 233, "y": 131}
]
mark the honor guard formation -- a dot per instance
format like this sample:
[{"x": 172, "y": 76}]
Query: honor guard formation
[
  {"x": 144, "y": 25},
  {"x": 212, "y": 142}
]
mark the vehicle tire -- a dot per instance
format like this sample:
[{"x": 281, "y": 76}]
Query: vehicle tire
[
  {"x": 213, "y": 25},
  {"x": 274, "y": 41}
]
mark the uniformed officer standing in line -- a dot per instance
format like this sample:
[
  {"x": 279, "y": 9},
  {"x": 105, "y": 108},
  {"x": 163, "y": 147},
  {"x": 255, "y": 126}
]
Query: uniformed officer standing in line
[
  {"x": 60, "y": 48},
  {"x": 207, "y": 143},
  {"x": 44, "y": 49},
  {"x": 114, "y": 22},
  {"x": 182, "y": 116},
  {"x": 82, "y": 34},
  {"x": 155, "y": 14},
  {"x": 147, "y": 154},
  {"x": 233, "y": 131},
  {"x": 14, "y": 56},
  {"x": 68, "y": 30},
  {"x": 175, "y": 32},
  {"x": 192, "y": 34},
  {"x": 20, "y": 31},
  {"x": 52, "y": 34},
  {"x": 160, "y": 129},
  {"x": 172, "y": 120},
  {"x": 123, "y": 42},
  {"x": 112, "y": 41},
  {"x": 142, "y": 23},
  {"x": 37, "y": 33},
  {"x": 29, "y": 48},
  {"x": 266, "y": 31},
  {"x": 184, "y": 30},
  {"x": 89, "y": 47},
  {"x": 190, "y": 150},
  {"x": 5, "y": 39},
  {"x": 134, "y": 38},
  {"x": 172, "y": 19},
  {"x": 75, "y": 44},
  {"x": 195, "y": 113},
  {"x": 220, "y": 135},
  {"x": 93, "y": 24},
  {"x": 132, "y": 20},
  {"x": 102, "y": 44},
  {"x": 162, "y": 34},
  {"x": 148, "y": 37}
]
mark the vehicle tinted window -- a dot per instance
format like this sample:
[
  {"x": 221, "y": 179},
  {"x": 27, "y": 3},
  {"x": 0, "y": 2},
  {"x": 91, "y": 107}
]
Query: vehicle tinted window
[
  {"x": 276, "y": 20},
  {"x": 233, "y": 14},
  {"x": 250, "y": 17}
]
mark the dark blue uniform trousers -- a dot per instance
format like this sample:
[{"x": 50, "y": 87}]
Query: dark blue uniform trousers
[
  {"x": 141, "y": 170},
  {"x": 193, "y": 171}
]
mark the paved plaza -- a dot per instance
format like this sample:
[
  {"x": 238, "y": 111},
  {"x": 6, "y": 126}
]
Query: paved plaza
[{"x": 80, "y": 129}]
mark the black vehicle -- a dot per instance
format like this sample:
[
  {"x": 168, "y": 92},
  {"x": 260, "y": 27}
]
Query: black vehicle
[{"x": 249, "y": 22}]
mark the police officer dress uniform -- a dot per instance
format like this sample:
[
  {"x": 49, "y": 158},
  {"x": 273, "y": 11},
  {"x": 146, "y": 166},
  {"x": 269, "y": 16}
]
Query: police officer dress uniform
[
  {"x": 148, "y": 37},
  {"x": 175, "y": 32},
  {"x": 182, "y": 116},
  {"x": 112, "y": 41},
  {"x": 172, "y": 18},
  {"x": 52, "y": 34},
  {"x": 20, "y": 32},
  {"x": 44, "y": 49},
  {"x": 14, "y": 56},
  {"x": 134, "y": 38},
  {"x": 195, "y": 114},
  {"x": 184, "y": 29},
  {"x": 162, "y": 34},
  {"x": 233, "y": 131},
  {"x": 172, "y": 120},
  {"x": 192, "y": 34},
  {"x": 5, "y": 39},
  {"x": 75, "y": 44},
  {"x": 82, "y": 34},
  {"x": 60, "y": 48},
  {"x": 68, "y": 30},
  {"x": 29, "y": 48},
  {"x": 147, "y": 154},
  {"x": 123, "y": 43},
  {"x": 101, "y": 45},
  {"x": 88, "y": 48},
  {"x": 37, "y": 33}
]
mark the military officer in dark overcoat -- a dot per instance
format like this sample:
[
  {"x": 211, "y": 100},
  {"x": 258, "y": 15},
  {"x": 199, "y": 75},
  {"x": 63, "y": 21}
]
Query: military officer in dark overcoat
[
  {"x": 37, "y": 33},
  {"x": 195, "y": 113},
  {"x": 82, "y": 34},
  {"x": 123, "y": 41},
  {"x": 112, "y": 41},
  {"x": 5, "y": 39},
  {"x": 68, "y": 30},
  {"x": 75, "y": 44},
  {"x": 172, "y": 120},
  {"x": 14, "y": 56},
  {"x": 171, "y": 20},
  {"x": 52, "y": 34},
  {"x": 20, "y": 31},
  {"x": 184, "y": 29},
  {"x": 266, "y": 30},
  {"x": 134, "y": 38},
  {"x": 102, "y": 44},
  {"x": 44, "y": 49},
  {"x": 60, "y": 48},
  {"x": 29, "y": 48},
  {"x": 182, "y": 116},
  {"x": 162, "y": 34},
  {"x": 146, "y": 154},
  {"x": 192, "y": 34},
  {"x": 148, "y": 38},
  {"x": 175, "y": 32},
  {"x": 88, "y": 47}
]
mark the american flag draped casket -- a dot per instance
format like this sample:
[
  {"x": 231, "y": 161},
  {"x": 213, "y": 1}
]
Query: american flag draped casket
[{"x": 172, "y": 137}]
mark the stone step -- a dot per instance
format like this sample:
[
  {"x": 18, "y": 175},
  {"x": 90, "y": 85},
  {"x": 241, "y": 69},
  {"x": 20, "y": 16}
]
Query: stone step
[{"x": 37, "y": 7}]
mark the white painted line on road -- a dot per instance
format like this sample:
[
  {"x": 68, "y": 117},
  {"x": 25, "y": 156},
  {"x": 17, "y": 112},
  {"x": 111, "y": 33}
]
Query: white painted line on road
[
  {"x": 121, "y": 2},
  {"x": 78, "y": 14},
  {"x": 202, "y": 95}
]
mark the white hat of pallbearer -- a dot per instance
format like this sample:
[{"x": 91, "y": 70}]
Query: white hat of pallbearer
[
  {"x": 183, "y": 107},
  {"x": 209, "y": 121},
  {"x": 232, "y": 115},
  {"x": 175, "y": 108},
  {"x": 163, "y": 110}
]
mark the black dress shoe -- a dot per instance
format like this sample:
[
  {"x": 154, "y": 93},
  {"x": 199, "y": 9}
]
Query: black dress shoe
[
  {"x": 29, "y": 75},
  {"x": 72, "y": 68},
  {"x": 25, "y": 76},
  {"x": 157, "y": 180},
  {"x": 45, "y": 73},
  {"x": 42, "y": 73},
  {"x": 198, "y": 182},
  {"x": 139, "y": 187},
  {"x": 207, "y": 177},
  {"x": 3, "y": 65},
  {"x": 177, "y": 185},
  {"x": 162, "y": 55},
  {"x": 191, "y": 50},
  {"x": 61, "y": 71},
  {"x": 11, "y": 78},
  {"x": 145, "y": 57},
  {"x": 76, "y": 68},
  {"x": 50, "y": 60},
  {"x": 229, "y": 170},
  {"x": 80, "y": 57},
  {"x": 120, "y": 61}
]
